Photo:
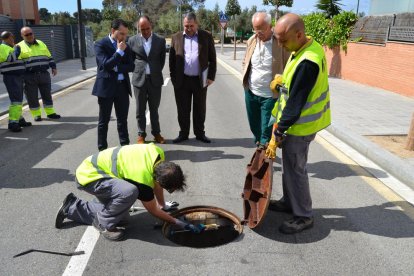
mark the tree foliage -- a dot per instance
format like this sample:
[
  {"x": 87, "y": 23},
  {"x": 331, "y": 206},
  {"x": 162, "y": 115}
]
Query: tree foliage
[
  {"x": 329, "y": 7},
  {"x": 277, "y": 4},
  {"x": 233, "y": 8}
]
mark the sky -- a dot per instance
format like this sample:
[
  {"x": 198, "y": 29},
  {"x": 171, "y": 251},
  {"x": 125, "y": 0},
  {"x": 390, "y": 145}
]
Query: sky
[{"x": 299, "y": 6}]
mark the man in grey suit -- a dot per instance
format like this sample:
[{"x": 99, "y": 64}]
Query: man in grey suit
[{"x": 147, "y": 79}]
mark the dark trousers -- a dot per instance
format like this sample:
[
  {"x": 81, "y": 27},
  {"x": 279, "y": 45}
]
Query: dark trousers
[
  {"x": 296, "y": 191},
  {"x": 14, "y": 86},
  {"x": 34, "y": 82},
  {"x": 191, "y": 90},
  {"x": 121, "y": 103},
  {"x": 259, "y": 110},
  {"x": 151, "y": 94}
]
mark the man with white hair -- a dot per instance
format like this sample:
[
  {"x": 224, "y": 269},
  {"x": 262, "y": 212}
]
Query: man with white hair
[{"x": 263, "y": 59}]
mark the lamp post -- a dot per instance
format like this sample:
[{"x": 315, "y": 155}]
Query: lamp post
[
  {"x": 81, "y": 36},
  {"x": 357, "y": 7}
]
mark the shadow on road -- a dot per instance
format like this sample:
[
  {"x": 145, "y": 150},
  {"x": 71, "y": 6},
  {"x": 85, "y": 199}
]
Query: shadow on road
[
  {"x": 199, "y": 156},
  {"x": 21, "y": 154},
  {"x": 219, "y": 142},
  {"x": 75, "y": 119},
  {"x": 384, "y": 220}
]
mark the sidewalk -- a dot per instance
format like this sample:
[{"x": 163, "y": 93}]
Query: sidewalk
[
  {"x": 358, "y": 111},
  {"x": 69, "y": 73}
]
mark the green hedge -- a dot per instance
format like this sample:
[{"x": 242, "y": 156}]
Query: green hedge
[{"x": 330, "y": 32}]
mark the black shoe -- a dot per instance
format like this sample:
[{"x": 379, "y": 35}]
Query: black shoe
[
  {"x": 37, "y": 118},
  {"x": 23, "y": 123},
  {"x": 203, "y": 139},
  {"x": 279, "y": 206},
  {"x": 63, "y": 210},
  {"x": 112, "y": 234},
  {"x": 53, "y": 116},
  {"x": 14, "y": 127},
  {"x": 296, "y": 225},
  {"x": 180, "y": 139}
]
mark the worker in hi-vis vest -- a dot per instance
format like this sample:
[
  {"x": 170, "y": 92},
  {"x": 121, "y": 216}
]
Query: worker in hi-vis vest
[
  {"x": 12, "y": 68},
  {"x": 301, "y": 111},
  {"x": 38, "y": 60},
  {"x": 117, "y": 177}
]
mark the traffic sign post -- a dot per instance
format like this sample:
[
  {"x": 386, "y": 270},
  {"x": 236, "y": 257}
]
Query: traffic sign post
[{"x": 223, "y": 23}]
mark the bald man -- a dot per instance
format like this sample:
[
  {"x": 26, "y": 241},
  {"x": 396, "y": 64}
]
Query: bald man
[
  {"x": 149, "y": 51},
  {"x": 302, "y": 110},
  {"x": 263, "y": 59}
]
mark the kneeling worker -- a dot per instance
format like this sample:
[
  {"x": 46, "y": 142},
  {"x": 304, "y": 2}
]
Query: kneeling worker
[{"x": 117, "y": 177}]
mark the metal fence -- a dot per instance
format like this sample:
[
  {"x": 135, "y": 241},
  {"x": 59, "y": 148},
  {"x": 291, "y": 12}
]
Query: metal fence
[{"x": 380, "y": 29}]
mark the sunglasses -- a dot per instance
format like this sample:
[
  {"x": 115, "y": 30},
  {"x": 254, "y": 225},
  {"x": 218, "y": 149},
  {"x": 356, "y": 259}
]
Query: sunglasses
[{"x": 29, "y": 34}]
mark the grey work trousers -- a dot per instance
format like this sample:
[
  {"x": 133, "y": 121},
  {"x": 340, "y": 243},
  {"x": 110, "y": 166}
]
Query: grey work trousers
[
  {"x": 296, "y": 192},
  {"x": 115, "y": 197},
  {"x": 35, "y": 83},
  {"x": 151, "y": 94}
]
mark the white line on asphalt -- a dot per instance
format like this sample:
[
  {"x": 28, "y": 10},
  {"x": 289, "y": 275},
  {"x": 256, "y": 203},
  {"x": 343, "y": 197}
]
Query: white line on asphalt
[
  {"x": 77, "y": 264},
  {"x": 147, "y": 118},
  {"x": 4, "y": 96},
  {"x": 166, "y": 81},
  {"x": 16, "y": 138}
]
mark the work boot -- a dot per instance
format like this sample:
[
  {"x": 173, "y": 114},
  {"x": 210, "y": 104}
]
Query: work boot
[
  {"x": 296, "y": 225},
  {"x": 279, "y": 206},
  {"x": 159, "y": 139},
  {"x": 63, "y": 210},
  {"x": 23, "y": 123},
  {"x": 203, "y": 139},
  {"x": 141, "y": 140},
  {"x": 37, "y": 118},
  {"x": 53, "y": 116},
  {"x": 114, "y": 234},
  {"x": 180, "y": 139},
  {"x": 14, "y": 127}
]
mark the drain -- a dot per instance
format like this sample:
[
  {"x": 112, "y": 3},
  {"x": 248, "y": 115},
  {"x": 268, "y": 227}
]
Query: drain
[{"x": 222, "y": 227}]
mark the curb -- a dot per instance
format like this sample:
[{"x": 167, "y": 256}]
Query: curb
[
  {"x": 386, "y": 160},
  {"x": 57, "y": 90}
]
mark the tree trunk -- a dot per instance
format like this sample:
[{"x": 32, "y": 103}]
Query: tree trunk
[
  {"x": 234, "y": 56},
  {"x": 410, "y": 137}
]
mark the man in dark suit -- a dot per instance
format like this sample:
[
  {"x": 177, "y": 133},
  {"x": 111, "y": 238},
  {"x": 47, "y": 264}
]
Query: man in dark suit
[
  {"x": 112, "y": 85},
  {"x": 193, "y": 68},
  {"x": 149, "y": 51}
]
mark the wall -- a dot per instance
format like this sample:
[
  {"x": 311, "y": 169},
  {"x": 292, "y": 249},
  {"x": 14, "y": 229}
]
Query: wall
[
  {"x": 390, "y": 67},
  {"x": 13, "y": 9}
]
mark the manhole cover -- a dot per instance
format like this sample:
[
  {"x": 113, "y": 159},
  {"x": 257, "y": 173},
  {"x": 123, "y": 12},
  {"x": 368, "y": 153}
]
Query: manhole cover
[{"x": 222, "y": 227}]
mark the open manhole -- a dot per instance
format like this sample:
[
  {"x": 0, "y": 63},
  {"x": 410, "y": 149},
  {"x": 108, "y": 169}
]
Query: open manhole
[{"x": 224, "y": 227}]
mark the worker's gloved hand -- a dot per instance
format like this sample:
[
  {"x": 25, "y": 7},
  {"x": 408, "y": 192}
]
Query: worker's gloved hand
[
  {"x": 197, "y": 229},
  {"x": 271, "y": 148},
  {"x": 170, "y": 206},
  {"x": 279, "y": 136},
  {"x": 275, "y": 84}
]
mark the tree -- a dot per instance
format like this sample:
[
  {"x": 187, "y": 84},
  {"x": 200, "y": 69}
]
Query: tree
[
  {"x": 110, "y": 13},
  {"x": 90, "y": 15},
  {"x": 329, "y": 7},
  {"x": 62, "y": 18},
  {"x": 233, "y": 9},
  {"x": 277, "y": 4},
  {"x": 44, "y": 14},
  {"x": 169, "y": 22}
]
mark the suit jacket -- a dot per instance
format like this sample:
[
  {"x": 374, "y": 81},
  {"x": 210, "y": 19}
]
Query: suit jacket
[
  {"x": 279, "y": 58},
  {"x": 155, "y": 60},
  {"x": 107, "y": 59},
  {"x": 206, "y": 57}
]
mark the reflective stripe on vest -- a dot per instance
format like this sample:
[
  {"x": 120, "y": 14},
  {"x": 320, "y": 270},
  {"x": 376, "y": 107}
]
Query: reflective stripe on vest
[{"x": 315, "y": 114}]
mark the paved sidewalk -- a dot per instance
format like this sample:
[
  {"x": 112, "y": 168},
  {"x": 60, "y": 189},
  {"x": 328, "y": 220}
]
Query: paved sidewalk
[
  {"x": 359, "y": 110},
  {"x": 69, "y": 73}
]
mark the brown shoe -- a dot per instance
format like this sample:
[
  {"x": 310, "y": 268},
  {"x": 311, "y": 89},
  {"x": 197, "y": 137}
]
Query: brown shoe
[
  {"x": 159, "y": 139},
  {"x": 141, "y": 140}
]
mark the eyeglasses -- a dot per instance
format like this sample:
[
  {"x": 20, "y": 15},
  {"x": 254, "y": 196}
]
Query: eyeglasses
[{"x": 29, "y": 34}]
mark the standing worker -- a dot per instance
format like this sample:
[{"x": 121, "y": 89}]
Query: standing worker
[
  {"x": 149, "y": 50},
  {"x": 38, "y": 60},
  {"x": 263, "y": 59},
  {"x": 193, "y": 67},
  {"x": 117, "y": 177},
  {"x": 302, "y": 111},
  {"x": 112, "y": 85},
  {"x": 12, "y": 68}
]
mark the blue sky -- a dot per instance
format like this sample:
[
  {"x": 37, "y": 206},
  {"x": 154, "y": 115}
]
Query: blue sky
[{"x": 299, "y": 6}]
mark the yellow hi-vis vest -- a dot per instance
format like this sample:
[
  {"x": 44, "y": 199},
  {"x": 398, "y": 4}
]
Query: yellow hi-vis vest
[
  {"x": 316, "y": 113},
  {"x": 8, "y": 61},
  {"x": 36, "y": 55},
  {"x": 132, "y": 162}
]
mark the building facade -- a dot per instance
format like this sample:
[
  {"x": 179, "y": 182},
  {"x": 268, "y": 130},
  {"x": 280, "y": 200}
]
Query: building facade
[{"x": 24, "y": 10}]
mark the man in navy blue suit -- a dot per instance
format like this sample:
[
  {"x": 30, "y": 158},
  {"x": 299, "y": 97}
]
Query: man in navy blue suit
[{"x": 112, "y": 85}]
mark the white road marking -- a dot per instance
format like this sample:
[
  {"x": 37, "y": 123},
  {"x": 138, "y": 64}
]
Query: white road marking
[
  {"x": 17, "y": 138},
  {"x": 147, "y": 118},
  {"x": 4, "y": 96},
  {"x": 77, "y": 264},
  {"x": 166, "y": 81}
]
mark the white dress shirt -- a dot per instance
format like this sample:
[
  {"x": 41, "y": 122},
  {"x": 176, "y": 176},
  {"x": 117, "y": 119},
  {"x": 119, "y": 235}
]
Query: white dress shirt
[{"x": 261, "y": 69}]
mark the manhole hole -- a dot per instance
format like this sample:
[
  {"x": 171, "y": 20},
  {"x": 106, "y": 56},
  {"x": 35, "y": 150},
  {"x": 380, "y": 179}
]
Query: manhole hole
[{"x": 224, "y": 227}]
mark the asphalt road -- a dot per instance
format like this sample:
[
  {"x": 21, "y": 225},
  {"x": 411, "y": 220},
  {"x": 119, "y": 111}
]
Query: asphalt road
[{"x": 361, "y": 227}]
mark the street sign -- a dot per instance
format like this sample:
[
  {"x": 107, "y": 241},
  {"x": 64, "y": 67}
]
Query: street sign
[
  {"x": 223, "y": 24},
  {"x": 223, "y": 19}
]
